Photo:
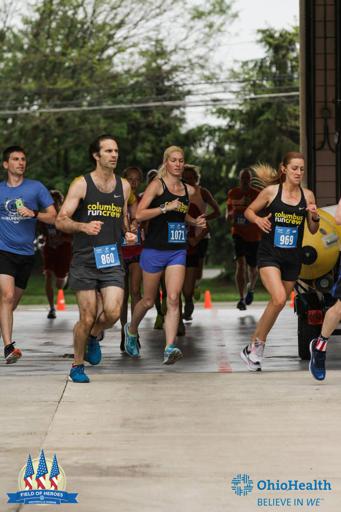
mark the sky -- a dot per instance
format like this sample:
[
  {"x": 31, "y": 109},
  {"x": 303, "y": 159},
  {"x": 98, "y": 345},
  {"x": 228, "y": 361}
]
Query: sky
[
  {"x": 241, "y": 41},
  {"x": 255, "y": 14}
]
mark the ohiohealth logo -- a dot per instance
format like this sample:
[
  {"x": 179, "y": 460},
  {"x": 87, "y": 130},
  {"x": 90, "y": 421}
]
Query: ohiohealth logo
[
  {"x": 42, "y": 481},
  {"x": 242, "y": 484}
]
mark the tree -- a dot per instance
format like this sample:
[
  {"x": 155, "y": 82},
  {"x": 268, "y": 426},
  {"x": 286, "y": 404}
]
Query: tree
[
  {"x": 265, "y": 125},
  {"x": 261, "y": 127},
  {"x": 98, "y": 57}
]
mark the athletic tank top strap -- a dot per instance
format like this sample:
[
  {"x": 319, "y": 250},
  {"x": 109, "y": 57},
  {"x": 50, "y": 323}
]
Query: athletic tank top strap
[
  {"x": 164, "y": 186},
  {"x": 158, "y": 235}
]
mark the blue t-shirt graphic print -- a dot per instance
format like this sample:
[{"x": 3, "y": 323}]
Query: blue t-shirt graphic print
[{"x": 17, "y": 233}]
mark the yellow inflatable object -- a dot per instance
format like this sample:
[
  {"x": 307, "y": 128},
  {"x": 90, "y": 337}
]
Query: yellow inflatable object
[{"x": 321, "y": 250}]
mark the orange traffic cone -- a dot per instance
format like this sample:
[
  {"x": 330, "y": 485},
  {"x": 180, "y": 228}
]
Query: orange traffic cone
[
  {"x": 292, "y": 299},
  {"x": 60, "y": 301},
  {"x": 207, "y": 300}
]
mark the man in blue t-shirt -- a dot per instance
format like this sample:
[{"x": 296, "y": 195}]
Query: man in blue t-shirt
[{"x": 22, "y": 203}]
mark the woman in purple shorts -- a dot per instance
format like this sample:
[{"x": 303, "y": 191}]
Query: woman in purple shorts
[{"x": 164, "y": 205}]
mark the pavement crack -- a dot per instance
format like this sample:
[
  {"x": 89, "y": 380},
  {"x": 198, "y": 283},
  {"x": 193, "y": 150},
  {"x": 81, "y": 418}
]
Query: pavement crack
[{"x": 18, "y": 509}]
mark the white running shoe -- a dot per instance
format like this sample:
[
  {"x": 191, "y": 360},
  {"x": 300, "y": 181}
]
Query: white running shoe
[{"x": 252, "y": 356}]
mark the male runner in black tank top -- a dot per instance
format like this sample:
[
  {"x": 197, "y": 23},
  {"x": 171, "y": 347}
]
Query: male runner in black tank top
[
  {"x": 94, "y": 211},
  {"x": 286, "y": 206}
]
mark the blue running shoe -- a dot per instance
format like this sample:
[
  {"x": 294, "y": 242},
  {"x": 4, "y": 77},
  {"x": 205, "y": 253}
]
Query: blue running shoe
[
  {"x": 78, "y": 375},
  {"x": 93, "y": 354},
  {"x": 171, "y": 354},
  {"x": 131, "y": 345},
  {"x": 317, "y": 361}
]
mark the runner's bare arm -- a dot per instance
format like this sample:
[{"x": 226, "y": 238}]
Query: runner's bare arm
[
  {"x": 47, "y": 215},
  {"x": 209, "y": 199},
  {"x": 338, "y": 214},
  {"x": 126, "y": 193},
  {"x": 129, "y": 235},
  {"x": 199, "y": 222},
  {"x": 229, "y": 213},
  {"x": 143, "y": 212},
  {"x": 262, "y": 200},
  {"x": 64, "y": 222},
  {"x": 313, "y": 218}
]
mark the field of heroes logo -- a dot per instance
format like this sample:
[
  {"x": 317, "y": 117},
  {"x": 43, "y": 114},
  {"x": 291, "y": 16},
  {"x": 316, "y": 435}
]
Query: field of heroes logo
[{"x": 42, "y": 482}]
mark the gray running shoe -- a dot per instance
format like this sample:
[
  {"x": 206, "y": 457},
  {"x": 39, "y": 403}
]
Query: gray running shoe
[{"x": 252, "y": 356}]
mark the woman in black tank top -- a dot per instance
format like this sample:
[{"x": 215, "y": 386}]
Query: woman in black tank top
[
  {"x": 286, "y": 206},
  {"x": 164, "y": 205}
]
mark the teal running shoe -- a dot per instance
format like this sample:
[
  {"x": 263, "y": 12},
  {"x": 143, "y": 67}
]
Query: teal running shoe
[
  {"x": 93, "y": 353},
  {"x": 78, "y": 375},
  {"x": 171, "y": 354},
  {"x": 131, "y": 345}
]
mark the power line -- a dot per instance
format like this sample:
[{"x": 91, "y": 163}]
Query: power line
[
  {"x": 150, "y": 104},
  {"x": 96, "y": 87},
  {"x": 193, "y": 96}
]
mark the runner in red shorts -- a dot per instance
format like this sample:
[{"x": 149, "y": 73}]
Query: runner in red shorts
[{"x": 57, "y": 253}]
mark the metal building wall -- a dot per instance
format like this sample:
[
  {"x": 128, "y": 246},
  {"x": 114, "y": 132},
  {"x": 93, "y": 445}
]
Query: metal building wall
[{"x": 320, "y": 96}]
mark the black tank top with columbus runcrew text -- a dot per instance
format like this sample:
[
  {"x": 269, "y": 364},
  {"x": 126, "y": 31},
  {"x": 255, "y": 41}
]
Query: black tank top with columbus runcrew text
[
  {"x": 101, "y": 206},
  {"x": 287, "y": 228},
  {"x": 158, "y": 227}
]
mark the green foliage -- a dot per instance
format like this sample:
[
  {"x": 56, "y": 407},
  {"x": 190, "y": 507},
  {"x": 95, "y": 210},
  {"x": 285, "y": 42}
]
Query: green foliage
[
  {"x": 76, "y": 68},
  {"x": 102, "y": 57},
  {"x": 264, "y": 128},
  {"x": 258, "y": 129}
]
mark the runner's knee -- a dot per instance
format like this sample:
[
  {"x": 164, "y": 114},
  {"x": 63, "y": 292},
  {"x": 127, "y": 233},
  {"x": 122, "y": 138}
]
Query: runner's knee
[
  {"x": 113, "y": 315},
  {"x": 7, "y": 296},
  {"x": 279, "y": 300},
  {"x": 173, "y": 300},
  {"x": 87, "y": 319},
  {"x": 148, "y": 302}
]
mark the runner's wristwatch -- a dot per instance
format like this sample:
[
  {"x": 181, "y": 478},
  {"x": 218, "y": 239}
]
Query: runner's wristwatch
[{"x": 163, "y": 208}]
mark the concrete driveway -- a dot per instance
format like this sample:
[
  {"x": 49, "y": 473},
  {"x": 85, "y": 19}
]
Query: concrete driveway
[{"x": 142, "y": 436}]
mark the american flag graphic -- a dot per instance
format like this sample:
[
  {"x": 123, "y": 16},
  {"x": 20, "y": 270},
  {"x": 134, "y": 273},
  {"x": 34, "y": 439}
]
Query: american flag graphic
[
  {"x": 54, "y": 473},
  {"x": 29, "y": 472},
  {"x": 41, "y": 472}
]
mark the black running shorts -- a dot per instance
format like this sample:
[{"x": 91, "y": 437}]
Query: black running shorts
[
  {"x": 17, "y": 266},
  {"x": 82, "y": 277},
  {"x": 289, "y": 267},
  {"x": 245, "y": 249}
]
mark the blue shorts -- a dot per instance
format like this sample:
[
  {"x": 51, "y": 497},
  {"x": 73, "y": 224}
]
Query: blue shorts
[{"x": 154, "y": 260}]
